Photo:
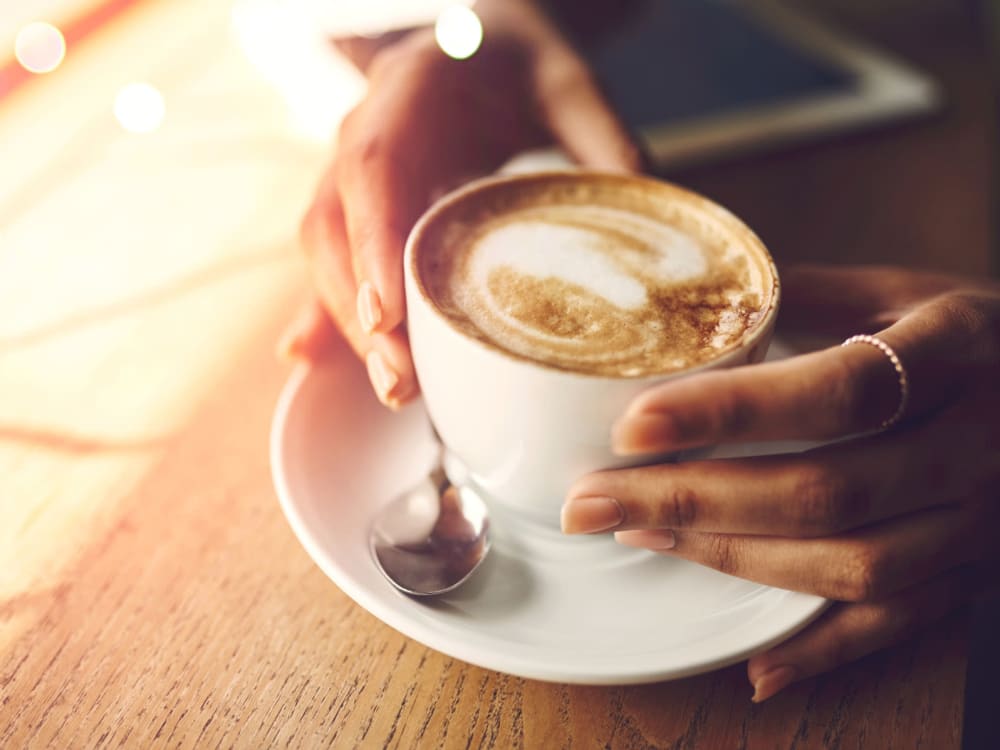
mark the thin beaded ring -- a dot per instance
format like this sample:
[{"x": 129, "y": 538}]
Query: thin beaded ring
[{"x": 904, "y": 380}]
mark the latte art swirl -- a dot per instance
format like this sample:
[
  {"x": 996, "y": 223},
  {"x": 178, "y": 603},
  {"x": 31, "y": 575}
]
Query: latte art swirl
[{"x": 613, "y": 285}]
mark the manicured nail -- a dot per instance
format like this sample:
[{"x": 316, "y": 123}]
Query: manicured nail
[
  {"x": 643, "y": 433},
  {"x": 369, "y": 307},
  {"x": 384, "y": 378},
  {"x": 588, "y": 515},
  {"x": 289, "y": 346},
  {"x": 399, "y": 397},
  {"x": 657, "y": 540},
  {"x": 772, "y": 681}
]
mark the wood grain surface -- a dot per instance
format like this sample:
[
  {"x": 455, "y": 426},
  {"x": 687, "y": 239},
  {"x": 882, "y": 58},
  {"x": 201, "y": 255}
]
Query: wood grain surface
[{"x": 151, "y": 593}]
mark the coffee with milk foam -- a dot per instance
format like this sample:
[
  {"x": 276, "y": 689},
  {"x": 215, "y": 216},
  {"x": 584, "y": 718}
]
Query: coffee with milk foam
[{"x": 605, "y": 276}]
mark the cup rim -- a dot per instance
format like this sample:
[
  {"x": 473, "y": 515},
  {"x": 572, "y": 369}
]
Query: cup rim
[{"x": 713, "y": 209}]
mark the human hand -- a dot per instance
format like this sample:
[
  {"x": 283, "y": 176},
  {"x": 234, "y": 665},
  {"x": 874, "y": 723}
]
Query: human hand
[
  {"x": 899, "y": 526},
  {"x": 427, "y": 123}
]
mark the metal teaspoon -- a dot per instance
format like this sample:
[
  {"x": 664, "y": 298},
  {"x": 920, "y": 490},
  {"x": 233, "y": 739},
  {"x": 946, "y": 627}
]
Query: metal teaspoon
[{"x": 432, "y": 537}]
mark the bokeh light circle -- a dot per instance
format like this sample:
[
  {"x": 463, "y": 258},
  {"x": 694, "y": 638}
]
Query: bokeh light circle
[
  {"x": 458, "y": 31},
  {"x": 140, "y": 108},
  {"x": 40, "y": 47}
]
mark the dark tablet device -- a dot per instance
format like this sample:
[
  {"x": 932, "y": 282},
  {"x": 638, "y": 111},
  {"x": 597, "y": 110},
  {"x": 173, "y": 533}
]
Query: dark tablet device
[{"x": 704, "y": 78}]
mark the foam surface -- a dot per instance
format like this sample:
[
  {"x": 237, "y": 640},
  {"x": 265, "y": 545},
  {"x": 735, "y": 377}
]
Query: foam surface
[{"x": 624, "y": 286}]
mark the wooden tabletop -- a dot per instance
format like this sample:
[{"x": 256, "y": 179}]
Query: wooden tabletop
[{"x": 152, "y": 594}]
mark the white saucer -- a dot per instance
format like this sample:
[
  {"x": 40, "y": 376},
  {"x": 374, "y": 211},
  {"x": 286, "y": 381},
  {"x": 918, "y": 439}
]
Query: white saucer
[{"x": 543, "y": 606}]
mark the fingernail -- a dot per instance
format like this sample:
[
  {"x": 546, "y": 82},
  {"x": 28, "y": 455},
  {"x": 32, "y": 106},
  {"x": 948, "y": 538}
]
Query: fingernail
[
  {"x": 369, "y": 307},
  {"x": 289, "y": 346},
  {"x": 398, "y": 398},
  {"x": 587, "y": 515},
  {"x": 660, "y": 539},
  {"x": 383, "y": 377},
  {"x": 773, "y": 681},
  {"x": 643, "y": 433}
]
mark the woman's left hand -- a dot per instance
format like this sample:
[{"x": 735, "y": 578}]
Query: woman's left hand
[{"x": 898, "y": 526}]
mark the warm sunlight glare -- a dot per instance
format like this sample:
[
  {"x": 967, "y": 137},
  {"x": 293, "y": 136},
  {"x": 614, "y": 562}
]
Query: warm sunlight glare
[
  {"x": 293, "y": 54},
  {"x": 140, "y": 108},
  {"x": 40, "y": 47},
  {"x": 459, "y": 31}
]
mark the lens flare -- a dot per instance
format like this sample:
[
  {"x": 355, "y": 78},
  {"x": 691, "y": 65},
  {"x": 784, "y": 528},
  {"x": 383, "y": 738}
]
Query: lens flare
[
  {"x": 40, "y": 47},
  {"x": 140, "y": 108},
  {"x": 458, "y": 31}
]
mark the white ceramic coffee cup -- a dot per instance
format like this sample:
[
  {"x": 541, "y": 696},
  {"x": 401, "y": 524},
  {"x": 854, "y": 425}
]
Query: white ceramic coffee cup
[{"x": 522, "y": 431}]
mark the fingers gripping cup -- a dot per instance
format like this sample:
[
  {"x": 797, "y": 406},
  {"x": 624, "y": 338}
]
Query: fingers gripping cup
[{"x": 540, "y": 305}]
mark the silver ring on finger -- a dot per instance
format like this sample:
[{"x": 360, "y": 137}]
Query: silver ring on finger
[{"x": 901, "y": 375}]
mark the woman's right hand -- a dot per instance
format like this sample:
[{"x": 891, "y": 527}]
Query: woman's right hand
[{"x": 428, "y": 123}]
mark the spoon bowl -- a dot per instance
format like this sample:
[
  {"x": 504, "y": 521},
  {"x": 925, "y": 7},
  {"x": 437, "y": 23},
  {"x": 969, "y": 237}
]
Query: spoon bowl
[{"x": 432, "y": 537}]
